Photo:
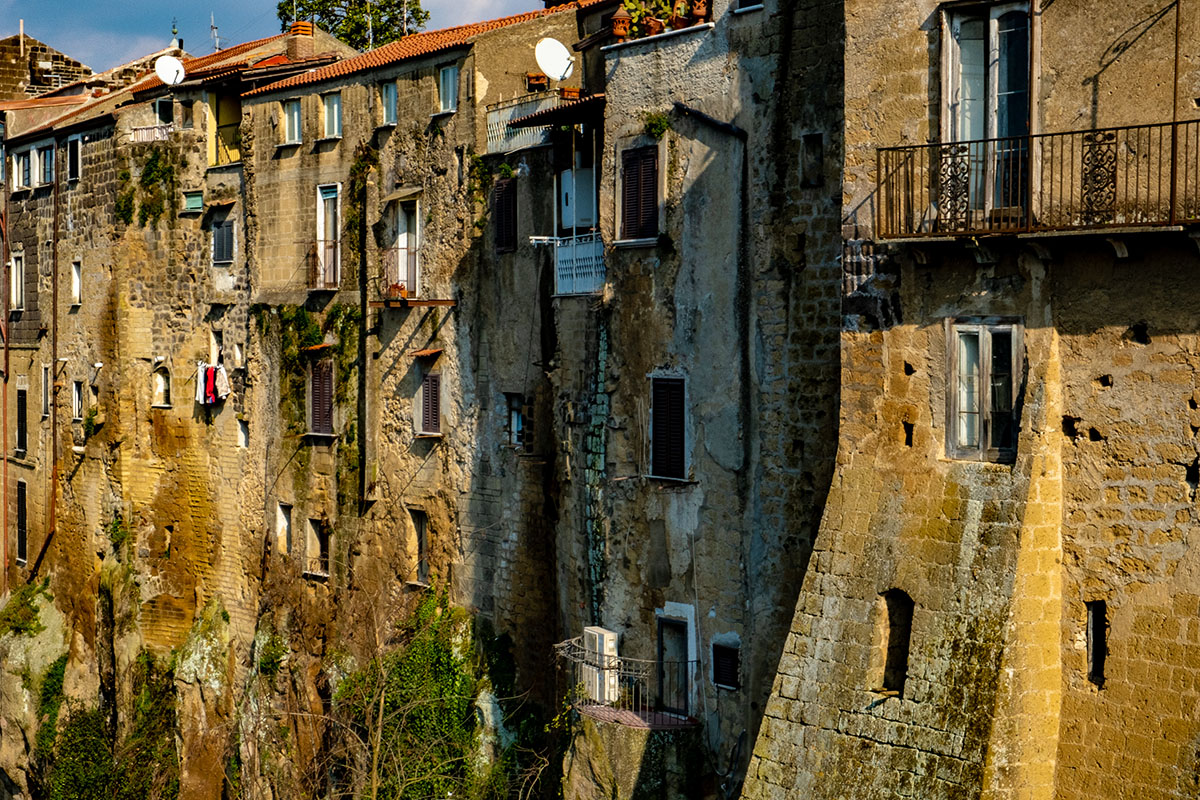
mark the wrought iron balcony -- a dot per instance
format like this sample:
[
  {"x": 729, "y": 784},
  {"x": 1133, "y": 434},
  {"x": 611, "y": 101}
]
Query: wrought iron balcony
[
  {"x": 630, "y": 691},
  {"x": 398, "y": 268},
  {"x": 1134, "y": 176},
  {"x": 503, "y": 139},
  {"x": 578, "y": 262},
  {"x": 325, "y": 265}
]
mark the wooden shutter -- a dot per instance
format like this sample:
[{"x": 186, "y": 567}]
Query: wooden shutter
[
  {"x": 667, "y": 434},
  {"x": 22, "y": 421},
  {"x": 504, "y": 214},
  {"x": 22, "y": 531},
  {"x": 639, "y": 193},
  {"x": 223, "y": 240},
  {"x": 725, "y": 666},
  {"x": 322, "y": 397},
  {"x": 431, "y": 418}
]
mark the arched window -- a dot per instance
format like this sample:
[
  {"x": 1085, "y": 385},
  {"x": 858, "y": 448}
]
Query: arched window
[
  {"x": 162, "y": 387},
  {"x": 895, "y": 617}
]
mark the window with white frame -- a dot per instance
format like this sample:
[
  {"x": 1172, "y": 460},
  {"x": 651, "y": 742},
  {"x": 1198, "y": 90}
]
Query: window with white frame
[
  {"x": 22, "y": 523},
  {"x": 448, "y": 88},
  {"x": 76, "y": 282},
  {"x": 17, "y": 289},
  {"x": 408, "y": 264},
  {"x": 74, "y": 158},
  {"x": 22, "y": 170},
  {"x": 77, "y": 405},
  {"x": 45, "y": 165},
  {"x": 291, "y": 121},
  {"x": 332, "y": 105},
  {"x": 983, "y": 383},
  {"x": 46, "y": 387},
  {"x": 387, "y": 102},
  {"x": 668, "y": 428},
  {"x": 328, "y": 243}
]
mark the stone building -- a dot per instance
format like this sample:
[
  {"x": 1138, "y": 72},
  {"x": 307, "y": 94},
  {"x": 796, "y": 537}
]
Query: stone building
[
  {"x": 29, "y": 68},
  {"x": 1003, "y": 599}
]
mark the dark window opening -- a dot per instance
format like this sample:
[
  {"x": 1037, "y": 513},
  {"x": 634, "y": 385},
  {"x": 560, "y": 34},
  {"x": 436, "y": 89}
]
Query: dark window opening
[
  {"x": 639, "y": 193},
  {"x": 73, "y": 159},
  {"x": 22, "y": 422},
  {"x": 908, "y": 434},
  {"x": 421, "y": 526},
  {"x": 1097, "y": 640},
  {"x": 504, "y": 214},
  {"x": 518, "y": 421},
  {"x": 726, "y": 666},
  {"x": 812, "y": 160},
  {"x": 22, "y": 529},
  {"x": 899, "y": 608},
  {"x": 318, "y": 547},
  {"x": 321, "y": 397},
  {"x": 667, "y": 429},
  {"x": 431, "y": 411}
]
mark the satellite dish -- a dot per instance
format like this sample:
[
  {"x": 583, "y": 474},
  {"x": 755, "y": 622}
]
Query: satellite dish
[
  {"x": 169, "y": 69},
  {"x": 554, "y": 59}
]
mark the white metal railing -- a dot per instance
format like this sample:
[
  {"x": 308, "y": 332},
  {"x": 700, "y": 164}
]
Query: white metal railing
[
  {"x": 578, "y": 262},
  {"x": 503, "y": 139},
  {"x": 152, "y": 133}
]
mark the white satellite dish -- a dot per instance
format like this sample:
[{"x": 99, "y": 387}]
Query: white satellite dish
[
  {"x": 169, "y": 69},
  {"x": 554, "y": 59}
]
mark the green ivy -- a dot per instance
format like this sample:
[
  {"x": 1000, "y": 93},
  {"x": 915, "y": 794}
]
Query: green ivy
[
  {"x": 158, "y": 183},
  {"x": 656, "y": 124},
  {"x": 20, "y": 614}
]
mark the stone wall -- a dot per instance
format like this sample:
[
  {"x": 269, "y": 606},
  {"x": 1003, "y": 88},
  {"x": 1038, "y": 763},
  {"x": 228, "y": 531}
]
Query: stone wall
[{"x": 29, "y": 68}]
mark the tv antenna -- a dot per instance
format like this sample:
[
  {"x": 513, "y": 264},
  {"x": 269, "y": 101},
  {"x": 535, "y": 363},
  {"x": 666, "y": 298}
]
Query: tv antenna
[
  {"x": 554, "y": 59},
  {"x": 212, "y": 27}
]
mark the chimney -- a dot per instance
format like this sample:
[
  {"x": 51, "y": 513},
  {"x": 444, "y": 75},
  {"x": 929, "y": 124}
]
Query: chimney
[
  {"x": 22, "y": 38},
  {"x": 300, "y": 41}
]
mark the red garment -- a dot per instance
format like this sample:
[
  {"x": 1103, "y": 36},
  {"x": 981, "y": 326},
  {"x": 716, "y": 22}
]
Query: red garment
[{"x": 210, "y": 381}]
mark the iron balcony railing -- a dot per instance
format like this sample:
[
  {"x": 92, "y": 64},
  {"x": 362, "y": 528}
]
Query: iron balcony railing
[
  {"x": 229, "y": 143},
  {"x": 325, "y": 267},
  {"x": 398, "y": 268},
  {"x": 152, "y": 133},
  {"x": 631, "y": 691},
  {"x": 1138, "y": 175},
  {"x": 503, "y": 139},
  {"x": 578, "y": 262}
]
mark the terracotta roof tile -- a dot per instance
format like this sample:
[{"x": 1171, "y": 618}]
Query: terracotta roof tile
[
  {"x": 414, "y": 45},
  {"x": 197, "y": 65}
]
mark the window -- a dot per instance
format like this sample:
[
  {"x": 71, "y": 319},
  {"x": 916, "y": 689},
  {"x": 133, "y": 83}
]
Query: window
[
  {"x": 408, "y": 264},
  {"x": 328, "y": 273},
  {"x": 77, "y": 401},
  {"x": 985, "y": 365},
  {"x": 46, "y": 390},
  {"x": 333, "y": 115},
  {"x": 193, "y": 202},
  {"x": 667, "y": 428},
  {"x": 45, "y": 165},
  {"x": 726, "y": 663},
  {"x": 387, "y": 102},
  {"x": 1097, "y": 640},
  {"x": 896, "y": 617},
  {"x": 162, "y": 387},
  {"x": 518, "y": 435},
  {"x": 186, "y": 114},
  {"x": 164, "y": 110},
  {"x": 243, "y": 439},
  {"x": 448, "y": 88},
  {"x": 639, "y": 193},
  {"x": 291, "y": 122},
  {"x": 812, "y": 160},
  {"x": 317, "y": 547},
  {"x": 17, "y": 297},
  {"x": 74, "y": 158},
  {"x": 22, "y": 422},
  {"x": 431, "y": 398},
  {"x": 222, "y": 238},
  {"x": 21, "y": 170},
  {"x": 283, "y": 528},
  {"x": 420, "y": 522},
  {"x": 226, "y": 111},
  {"x": 504, "y": 214},
  {"x": 22, "y": 525},
  {"x": 76, "y": 282},
  {"x": 986, "y": 86},
  {"x": 320, "y": 397}
]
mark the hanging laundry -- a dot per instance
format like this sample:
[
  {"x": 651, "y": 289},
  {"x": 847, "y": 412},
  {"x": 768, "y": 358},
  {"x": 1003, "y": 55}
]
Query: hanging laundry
[
  {"x": 210, "y": 385},
  {"x": 201, "y": 369},
  {"x": 222, "y": 382}
]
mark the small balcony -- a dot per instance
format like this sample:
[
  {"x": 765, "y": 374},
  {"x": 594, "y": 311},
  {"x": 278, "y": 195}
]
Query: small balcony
[
  {"x": 1128, "y": 177},
  {"x": 503, "y": 139},
  {"x": 629, "y": 691},
  {"x": 399, "y": 283},
  {"x": 578, "y": 262},
  {"x": 151, "y": 133},
  {"x": 325, "y": 265},
  {"x": 228, "y": 144}
]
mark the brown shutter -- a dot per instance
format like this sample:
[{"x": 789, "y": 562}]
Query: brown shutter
[
  {"x": 667, "y": 432},
  {"x": 504, "y": 214},
  {"x": 431, "y": 418},
  {"x": 322, "y": 397},
  {"x": 630, "y": 170},
  {"x": 639, "y": 193}
]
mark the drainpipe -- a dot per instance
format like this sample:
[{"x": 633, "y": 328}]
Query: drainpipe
[
  {"x": 5, "y": 255},
  {"x": 53, "y": 524},
  {"x": 1175, "y": 117}
]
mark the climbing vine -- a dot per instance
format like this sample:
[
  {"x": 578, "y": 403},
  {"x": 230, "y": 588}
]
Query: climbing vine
[
  {"x": 158, "y": 186},
  {"x": 20, "y": 614}
]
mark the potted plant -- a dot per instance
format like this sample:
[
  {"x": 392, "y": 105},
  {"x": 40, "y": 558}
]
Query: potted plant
[
  {"x": 679, "y": 15},
  {"x": 700, "y": 9}
]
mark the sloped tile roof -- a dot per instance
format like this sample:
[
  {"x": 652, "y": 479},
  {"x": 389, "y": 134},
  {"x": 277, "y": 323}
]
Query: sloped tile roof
[
  {"x": 413, "y": 45},
  {"x": 195, "y": 66}
]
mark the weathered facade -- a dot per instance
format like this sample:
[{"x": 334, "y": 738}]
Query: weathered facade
[
  {"x": 1002, "y": 598},
  {"x": 29, "y": 68}
]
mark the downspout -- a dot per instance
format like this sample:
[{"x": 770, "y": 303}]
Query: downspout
[
  {"x": 53, "y": 524},
  {"x": 1175, "y": 119},
  {"x": 5, "y": 254}
]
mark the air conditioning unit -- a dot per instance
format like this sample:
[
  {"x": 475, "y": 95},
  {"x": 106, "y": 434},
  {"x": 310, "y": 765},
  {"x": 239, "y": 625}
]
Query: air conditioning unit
[{"x": 600, "y": 665}]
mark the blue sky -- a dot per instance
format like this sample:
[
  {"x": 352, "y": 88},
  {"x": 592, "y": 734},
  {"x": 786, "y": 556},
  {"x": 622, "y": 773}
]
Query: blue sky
[{"x": 104, "y": 33}]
